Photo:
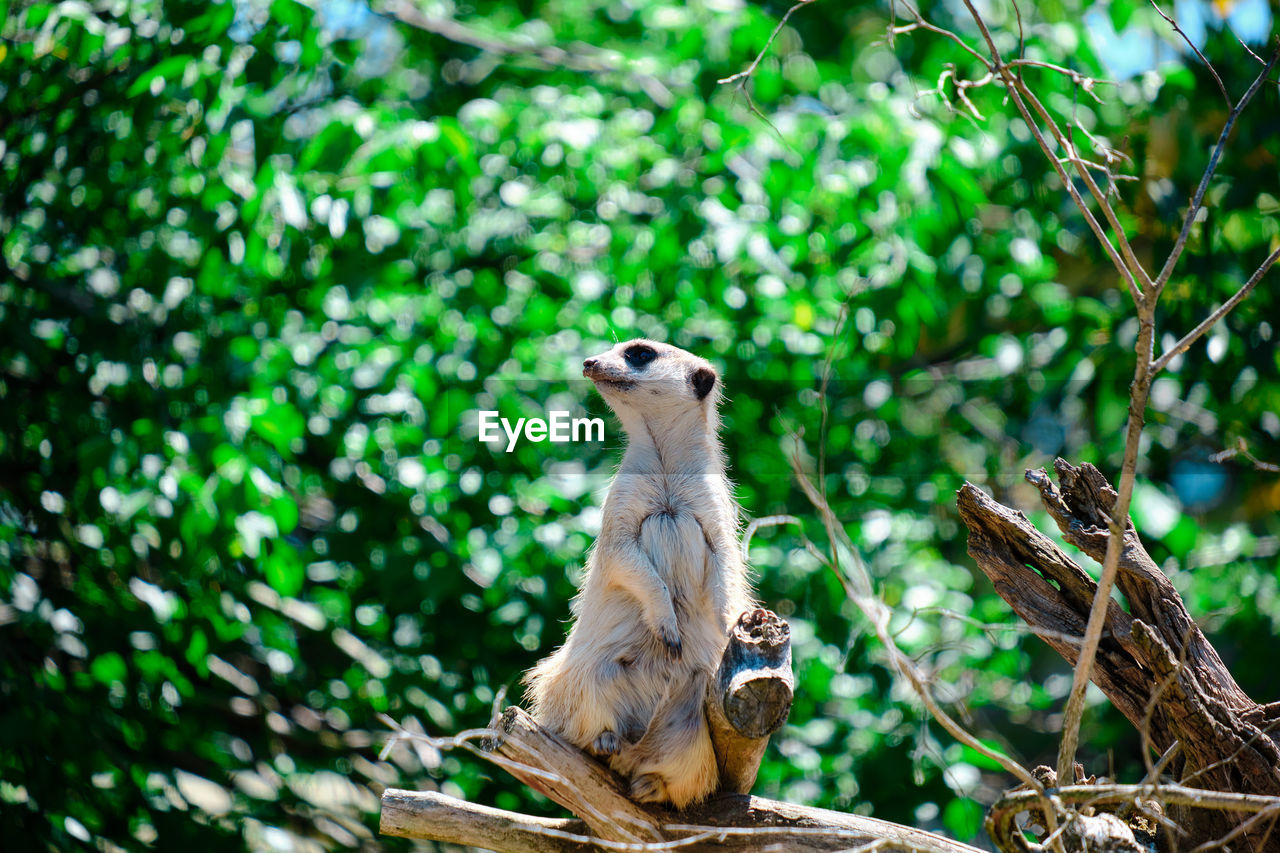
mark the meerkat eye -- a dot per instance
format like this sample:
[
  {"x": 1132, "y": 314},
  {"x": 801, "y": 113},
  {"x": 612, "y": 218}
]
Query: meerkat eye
[{"x": 640, "y": 355}]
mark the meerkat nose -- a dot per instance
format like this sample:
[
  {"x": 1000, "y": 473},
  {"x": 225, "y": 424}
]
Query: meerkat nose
[{"x": 589, "y": 363}]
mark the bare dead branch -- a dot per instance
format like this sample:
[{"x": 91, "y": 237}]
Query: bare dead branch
[
  {"x": 433, "y": 816},
  {"x": 1198, "y": 199},
  {"x": 1083, "y": 81},
  {"x": 857, "y": 585},
  {"x": 581, "y": 57},
  {"x": 921, "y": 23},
  {"x": 1207, "y": 64},
  {"x": 1242, "y": 449},
  {"x": 725, "y": 822},
  {"x": 1017, "y": 92},
  {"x": 1208, "y": 322},
  {"x": 1154, "y": 663},
  {"x": 1001, "y": 820},
  {"x": 1245, "y": 46},
  {"x": 1153, "y": 772},
  {"x": 1100, "y": 167},
  {"x": 962, "y": 90},
  {"x": 745, "y": 74},
  {"x": 1133, "y": 271}
]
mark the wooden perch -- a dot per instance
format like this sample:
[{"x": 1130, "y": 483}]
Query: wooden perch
[
  {"x": 438, "y": 817},
  {"x": 750, "y": 697},
  {"x": 1153, "y": 663},
  {"x": 563, "y": 773},
  {"x": 748, "y": 700},
  {"x": 724, "y": 822}
]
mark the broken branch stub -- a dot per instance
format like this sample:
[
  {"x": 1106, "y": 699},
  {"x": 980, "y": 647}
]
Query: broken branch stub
[{"x": 750, "y": 696}]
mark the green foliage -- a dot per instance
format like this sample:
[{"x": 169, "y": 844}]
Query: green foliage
[
  {"x": 261, "y": 265},
  {"x": 963, "y": 818}
]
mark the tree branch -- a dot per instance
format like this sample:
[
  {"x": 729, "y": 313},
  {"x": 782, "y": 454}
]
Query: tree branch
[
  {"x": 432, "y": 816},
  {"x": 1002, "y": 825},
  {"x": 1016, "y": 91},
  {"x": 725, "y": 822},
  {"x": 588, "y": 58},
  {"x": 745, "y": 74},
  {"x": 1207, "y": 64},
  {"x": 1208, "y": 322},
  {"x": 1198, "y": 199},
  {"x": 1154, "y": 663}
]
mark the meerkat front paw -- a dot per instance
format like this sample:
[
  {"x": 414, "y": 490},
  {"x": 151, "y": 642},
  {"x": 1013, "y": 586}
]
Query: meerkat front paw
[
  {"x": 607, "y": 743},
  {"x": 648, "y": 788},
  {"x": 669, "y": 634}
]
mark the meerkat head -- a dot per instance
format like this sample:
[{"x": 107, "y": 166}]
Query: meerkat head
[{"x": 645, "y": 377}]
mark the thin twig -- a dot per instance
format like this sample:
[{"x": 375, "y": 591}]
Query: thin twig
[
  {"x": 922, "y": 24},
  {"x": 1163, "y": 278},
  {"x": 1246, "y": 47},
  {"x": 766, "y": 521},
  {"x": 1089, "y": 164},
  {"x": 1017, "y": 92},
  {"x": 586, "y": 58},
  {"x": 1117, "y": 528},
  {"x": 742, "y": 76},
  {"x": 1242, "y": 449},
  {"x": 1135, "y": 273},
  {"x": 1192, "y": 336},
  {"x": 1083, "y": 81},
  {"x": 856, "y": 581},
  {"x": 1207, "y": 64},
  {"x": 1153, "y": 774},
  {"x": 1022, "y": 36},
  {"x": 1126, "y": 263}
]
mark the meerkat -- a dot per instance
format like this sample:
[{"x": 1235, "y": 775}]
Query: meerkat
[{"x": 665, "y": 581}]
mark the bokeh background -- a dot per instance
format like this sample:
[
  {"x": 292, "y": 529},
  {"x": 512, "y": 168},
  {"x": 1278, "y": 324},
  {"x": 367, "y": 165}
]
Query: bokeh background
[{"x": 263, "y": 262}]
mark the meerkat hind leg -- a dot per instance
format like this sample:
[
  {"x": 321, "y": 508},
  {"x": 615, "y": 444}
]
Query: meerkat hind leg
[{"x": 674, "y": 760}]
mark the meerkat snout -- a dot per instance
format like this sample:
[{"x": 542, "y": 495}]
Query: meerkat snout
[{"x": 658, "y": 370}]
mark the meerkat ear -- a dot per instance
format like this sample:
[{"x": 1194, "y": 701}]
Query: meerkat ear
[{"x": 702, "y": 380}]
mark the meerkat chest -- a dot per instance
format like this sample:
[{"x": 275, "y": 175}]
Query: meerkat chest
[{"x": 680, "y": 526}]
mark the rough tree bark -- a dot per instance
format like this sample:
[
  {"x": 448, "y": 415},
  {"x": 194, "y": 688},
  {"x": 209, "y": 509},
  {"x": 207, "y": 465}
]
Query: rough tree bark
[{"x": 1154, "y": 663}]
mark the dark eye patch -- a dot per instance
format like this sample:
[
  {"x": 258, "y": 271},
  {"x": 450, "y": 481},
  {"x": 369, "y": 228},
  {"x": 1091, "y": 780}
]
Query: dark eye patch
[{"x": 639, "y": 355}]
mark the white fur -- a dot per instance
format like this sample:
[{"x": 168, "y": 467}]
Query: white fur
[{"x": 664, "y": 583}]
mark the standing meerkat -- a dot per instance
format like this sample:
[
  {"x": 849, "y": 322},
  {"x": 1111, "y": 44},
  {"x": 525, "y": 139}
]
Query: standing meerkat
[{"x": 665, "y": 581}]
